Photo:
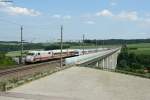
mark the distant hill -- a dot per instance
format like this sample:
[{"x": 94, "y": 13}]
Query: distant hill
[{"x": 10, "y": 42}]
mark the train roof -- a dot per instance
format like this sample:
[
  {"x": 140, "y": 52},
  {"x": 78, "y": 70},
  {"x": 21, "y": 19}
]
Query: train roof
[{"x": 39, "y": 51}]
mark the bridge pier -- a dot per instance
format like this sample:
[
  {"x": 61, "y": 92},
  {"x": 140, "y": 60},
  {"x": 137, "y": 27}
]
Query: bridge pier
[{"x": 109, "y": 62}]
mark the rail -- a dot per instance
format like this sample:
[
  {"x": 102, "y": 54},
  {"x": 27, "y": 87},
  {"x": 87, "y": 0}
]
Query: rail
[{"x": 25, "y": 67}]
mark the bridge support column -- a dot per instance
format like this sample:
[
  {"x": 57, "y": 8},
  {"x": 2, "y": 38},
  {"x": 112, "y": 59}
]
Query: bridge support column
[
  {"x": 103, "y": 64},
  {"x": 109, "y": 62},
  {"x": 114, "y": 60},
  {"x": 98, "y": 64}
]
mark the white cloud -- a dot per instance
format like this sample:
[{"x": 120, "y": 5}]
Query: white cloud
[
  {"x": 90, "y": 22},
  {"x": 128, "y": 15},
  {"x": 104, "y": 12},
  {"x": 15, "y": 10}
]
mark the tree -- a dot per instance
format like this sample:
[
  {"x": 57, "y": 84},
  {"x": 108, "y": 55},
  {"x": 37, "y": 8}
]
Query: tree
[{"x": 123, "y": 57}]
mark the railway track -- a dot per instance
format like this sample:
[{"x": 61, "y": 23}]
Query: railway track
[
  {"x": 31, "y": 66},
  {"x": 27, "y": 67}
]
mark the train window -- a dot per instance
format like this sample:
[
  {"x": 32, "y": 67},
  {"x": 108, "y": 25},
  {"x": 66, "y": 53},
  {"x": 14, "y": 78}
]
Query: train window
[
  {"x": 49, "y": 53},
  {"x": 38, "y": 53},
  {"x": 31, "y": 54}
]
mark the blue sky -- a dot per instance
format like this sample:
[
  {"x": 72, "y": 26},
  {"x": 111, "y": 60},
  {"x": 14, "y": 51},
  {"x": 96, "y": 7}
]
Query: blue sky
[{"x": 97, "y": 19}]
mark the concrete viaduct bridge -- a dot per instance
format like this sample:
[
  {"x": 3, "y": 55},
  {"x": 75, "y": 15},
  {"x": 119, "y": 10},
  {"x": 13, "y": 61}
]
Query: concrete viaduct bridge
[{"x": 105, "y": 59}]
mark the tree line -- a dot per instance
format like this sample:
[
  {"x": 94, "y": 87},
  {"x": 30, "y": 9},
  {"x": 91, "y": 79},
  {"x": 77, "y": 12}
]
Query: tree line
[
  {"x": 116, "y": 41},
  {"x": 31, "y": 46},
  {"x": 129, "y": 61}
]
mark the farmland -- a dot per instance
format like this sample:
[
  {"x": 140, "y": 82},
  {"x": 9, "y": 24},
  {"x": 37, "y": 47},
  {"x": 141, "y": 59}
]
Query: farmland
[
  {"x": 15, "y": 53},
  {"x": 141, "y": 48}
]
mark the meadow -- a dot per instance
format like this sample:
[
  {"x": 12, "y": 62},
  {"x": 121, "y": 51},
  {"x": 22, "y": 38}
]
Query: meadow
[
  {"x": 15, "y": 53},
  {"x": 141, "y": 48}
]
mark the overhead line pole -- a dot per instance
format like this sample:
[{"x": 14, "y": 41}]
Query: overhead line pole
[
  {"x": 61, "y": 45},
  {"x": 21, "y": 28}
]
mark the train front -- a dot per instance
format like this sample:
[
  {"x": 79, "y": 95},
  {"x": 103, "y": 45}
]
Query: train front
[{"x": 30, "y": 57}]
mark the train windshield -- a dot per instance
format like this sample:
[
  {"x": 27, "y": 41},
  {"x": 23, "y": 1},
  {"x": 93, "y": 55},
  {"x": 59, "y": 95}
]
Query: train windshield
[{"x": 31, "y": 54}]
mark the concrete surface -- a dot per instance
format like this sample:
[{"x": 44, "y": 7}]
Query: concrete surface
[{"x": 80, "y": 83}]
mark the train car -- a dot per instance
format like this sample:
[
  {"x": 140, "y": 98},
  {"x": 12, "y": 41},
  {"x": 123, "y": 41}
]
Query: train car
[
  {"x": 65, "y": 52},
  {"x": 36, "y": 56}
]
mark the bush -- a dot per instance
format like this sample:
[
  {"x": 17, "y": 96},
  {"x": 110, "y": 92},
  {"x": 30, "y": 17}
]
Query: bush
[
  {"x": 122, "y": 63},
  {"x": 131, "y": 62},
  {"x": 5, "y": 61},
  {"x": 133, "y": 48}
]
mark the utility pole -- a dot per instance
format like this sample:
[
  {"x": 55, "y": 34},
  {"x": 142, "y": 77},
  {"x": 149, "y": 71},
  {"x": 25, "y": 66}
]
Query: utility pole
[
  {"x": 83, "y": 43},
  {"x": 61, "y": 46},
  {"x": 21, "y": 44}
]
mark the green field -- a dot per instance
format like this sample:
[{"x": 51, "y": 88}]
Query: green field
[
  {"x": 141, "y": 48},
  {"x": 18, "y": 53},
  {"x": 15, "y": 53}
]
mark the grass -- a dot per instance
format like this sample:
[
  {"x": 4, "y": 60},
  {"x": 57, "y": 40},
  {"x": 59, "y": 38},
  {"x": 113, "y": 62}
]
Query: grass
[
  {"x": 6, "y": 63},
  {"x": 141, "y": 48},
  {"x": 15, "y": 53},
  {"x": 139, "y": 45}
]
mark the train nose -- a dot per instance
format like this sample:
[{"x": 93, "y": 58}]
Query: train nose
[{"x": 29, "y": 59}]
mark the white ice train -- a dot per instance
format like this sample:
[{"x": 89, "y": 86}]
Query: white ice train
[{"x": 36, "y": 56}]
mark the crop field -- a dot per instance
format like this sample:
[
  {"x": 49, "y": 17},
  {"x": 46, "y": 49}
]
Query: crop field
[
  {"x": 142, "y": 48},
  {"x": 15, "y": 53}
]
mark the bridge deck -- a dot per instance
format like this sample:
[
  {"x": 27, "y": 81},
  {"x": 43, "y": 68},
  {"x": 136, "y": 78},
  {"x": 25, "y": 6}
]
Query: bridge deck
[{"x": 81, "y": 83}]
